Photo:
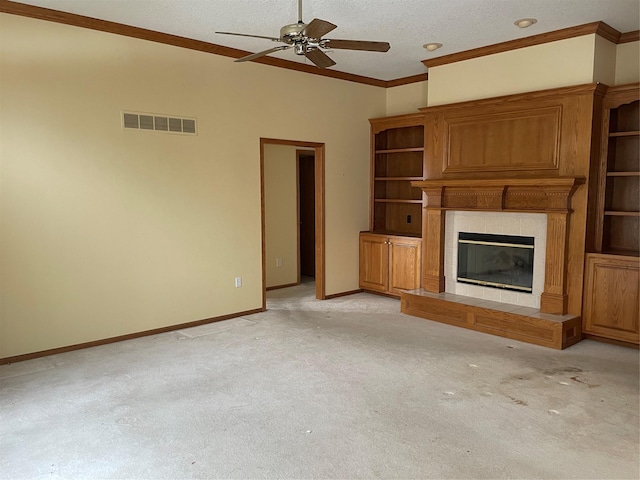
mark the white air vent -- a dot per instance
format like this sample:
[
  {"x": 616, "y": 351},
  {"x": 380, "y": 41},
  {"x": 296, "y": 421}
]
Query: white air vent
[{"x": 158, "y": 122}]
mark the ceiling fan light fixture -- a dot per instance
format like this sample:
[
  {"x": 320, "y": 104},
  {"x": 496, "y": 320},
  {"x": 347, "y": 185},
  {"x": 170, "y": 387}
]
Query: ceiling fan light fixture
[
  {"x": 432, "y": 46},
  {"x": 525, "y": 22}
]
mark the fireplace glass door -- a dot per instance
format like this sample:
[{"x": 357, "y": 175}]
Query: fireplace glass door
[{"x": 497, "y": 261}]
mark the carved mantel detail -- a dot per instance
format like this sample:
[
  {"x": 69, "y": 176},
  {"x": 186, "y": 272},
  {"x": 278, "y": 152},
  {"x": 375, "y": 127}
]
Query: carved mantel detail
[
  {"x": 551, "y": 196},
  {"x": 534, "y": 195}
]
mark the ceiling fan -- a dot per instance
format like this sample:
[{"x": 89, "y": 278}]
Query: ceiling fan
[{"x": 306, "y": 39}]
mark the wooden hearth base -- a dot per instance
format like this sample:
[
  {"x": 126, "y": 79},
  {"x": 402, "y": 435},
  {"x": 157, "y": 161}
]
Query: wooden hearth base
[{"x": 506, "y": 320}]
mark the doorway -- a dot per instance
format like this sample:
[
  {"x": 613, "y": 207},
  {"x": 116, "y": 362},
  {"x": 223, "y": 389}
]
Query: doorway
[
  {"x": 311, "y": 235},
  {"x": 305, "y": 160}
]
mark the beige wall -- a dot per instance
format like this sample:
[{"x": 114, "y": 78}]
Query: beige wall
[
  {"x": 406, "y": 98},
  {"x": 106, "y": 232},
  {"x": 627, "y": 63},
  {"x": 604, "y": 61},
  {"x": 556, "y": 64},
  {"x": 281, "y": 214}
]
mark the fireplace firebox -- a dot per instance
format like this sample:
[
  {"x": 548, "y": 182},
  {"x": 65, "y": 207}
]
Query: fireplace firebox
[{"x": 496, "y": 261}]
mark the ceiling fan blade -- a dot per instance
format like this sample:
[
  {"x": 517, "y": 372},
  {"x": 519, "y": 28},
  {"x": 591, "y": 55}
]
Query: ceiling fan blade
[
  {"x": 253, "y": 56},
  {"x": 320, "y": 58},
  {"x": 357, "y": 45},
  {"x": 318, "y": 28},
  {"x": 252, "y": 36}
]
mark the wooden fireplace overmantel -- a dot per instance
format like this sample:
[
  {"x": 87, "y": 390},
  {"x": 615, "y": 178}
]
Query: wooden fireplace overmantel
[{"x": 551, "y": 196}]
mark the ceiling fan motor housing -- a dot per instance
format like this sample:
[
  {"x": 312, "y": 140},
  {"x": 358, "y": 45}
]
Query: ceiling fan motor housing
[{"x": 292, "y": 33}]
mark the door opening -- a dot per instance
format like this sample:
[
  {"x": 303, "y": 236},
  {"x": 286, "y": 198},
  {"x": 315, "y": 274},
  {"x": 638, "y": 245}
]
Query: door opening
[
  {"x": 311, "y": 235},
  {"x": 306, "y": 213}
]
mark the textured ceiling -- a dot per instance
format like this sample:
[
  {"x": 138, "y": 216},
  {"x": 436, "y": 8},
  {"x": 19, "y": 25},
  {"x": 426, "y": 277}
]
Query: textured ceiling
[{"x": 406, "y": 24}]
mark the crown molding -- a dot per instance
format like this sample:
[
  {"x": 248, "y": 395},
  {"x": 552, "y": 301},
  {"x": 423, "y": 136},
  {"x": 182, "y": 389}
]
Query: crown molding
[
  {"x": 608, "y": 33},
  {"x": 50, "y": 15},
  {"x": 421, "y": 77},
  {"x": 598, "y": 28},
  {"x": 630, "y": 37},
  {"x": 57, "y": 16}
]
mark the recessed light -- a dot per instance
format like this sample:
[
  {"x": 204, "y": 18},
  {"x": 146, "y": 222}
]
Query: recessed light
[
  {"x": 525, "y": 22},
  {"x": 432, "y": 46}
]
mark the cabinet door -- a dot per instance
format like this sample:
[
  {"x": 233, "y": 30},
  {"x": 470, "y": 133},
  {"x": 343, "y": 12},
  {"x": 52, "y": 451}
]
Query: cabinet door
[
  {"x": 404, "y": 264},
  {"x": 374, "y": 262},
  {"x": 612, "y": 297}
]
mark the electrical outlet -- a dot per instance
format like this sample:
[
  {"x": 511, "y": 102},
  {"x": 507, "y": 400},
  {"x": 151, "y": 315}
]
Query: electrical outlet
[
  {"x": 238, "y": 282},
  {"x": 278, "y": 262}
]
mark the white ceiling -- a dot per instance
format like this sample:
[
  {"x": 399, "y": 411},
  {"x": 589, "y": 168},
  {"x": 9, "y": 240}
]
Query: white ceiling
[{"x": 406, "y": 24}]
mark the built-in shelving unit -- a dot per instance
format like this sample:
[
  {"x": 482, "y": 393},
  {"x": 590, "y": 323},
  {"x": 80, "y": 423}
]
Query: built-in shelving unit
[
  {"x": 612, "y": 283},
  {"x": 618, "y": 227},
  {"x": 390, "y": 252},
  {"x": 397, "y": 160}
]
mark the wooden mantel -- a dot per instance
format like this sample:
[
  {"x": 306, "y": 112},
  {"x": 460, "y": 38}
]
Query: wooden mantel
[
  {"x": 551, "y": 196},
  {"x": 509, "y": 194}
]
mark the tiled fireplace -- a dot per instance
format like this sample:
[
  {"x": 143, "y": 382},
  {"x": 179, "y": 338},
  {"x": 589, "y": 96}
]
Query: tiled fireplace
[
  {"x": 513, "y": 207},
  {"x": 505, "y": 223}
]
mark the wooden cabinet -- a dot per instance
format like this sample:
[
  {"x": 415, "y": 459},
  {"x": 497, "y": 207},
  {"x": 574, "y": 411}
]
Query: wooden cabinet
[
  {"x": 389, "y": 264},
  {"x": 390, "y": 254},
  {"x": 397, "y": 145},
  {"x": 612, "y": 285},
  {"x": 612, "y": 297}
]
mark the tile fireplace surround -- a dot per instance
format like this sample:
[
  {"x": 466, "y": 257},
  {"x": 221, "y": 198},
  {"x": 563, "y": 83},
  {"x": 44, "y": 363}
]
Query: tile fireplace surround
[
  {"x": 538, "y": 207},
  {"x": 522, "y": 224}
]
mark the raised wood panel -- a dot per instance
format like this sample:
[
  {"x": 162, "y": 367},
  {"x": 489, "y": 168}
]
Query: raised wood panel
[
  {"x": 374, "y": 262},
  {"x": 522, "y": 140},
  {"x": 572, "y": 127},
  {"x": 404, "y": 264},
  {"x": 612, "y": 299}
]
